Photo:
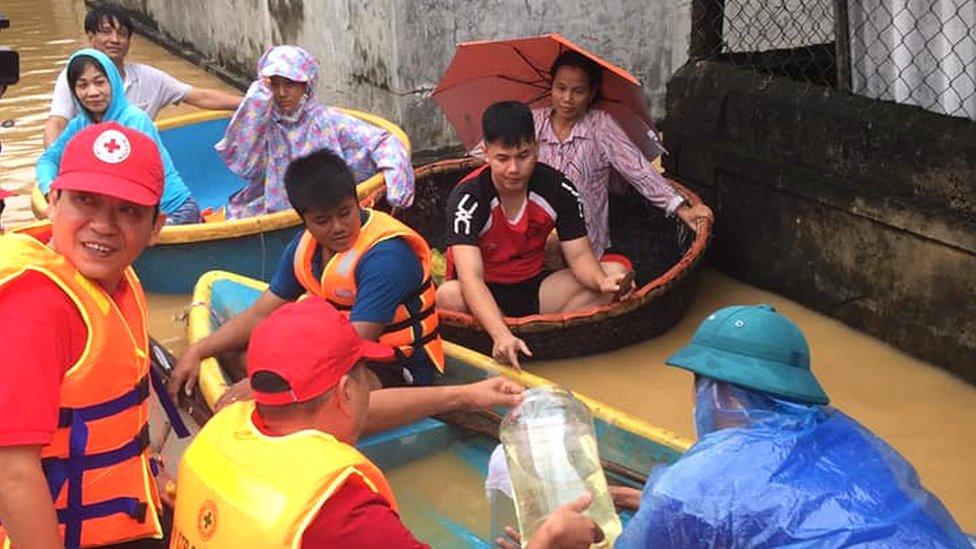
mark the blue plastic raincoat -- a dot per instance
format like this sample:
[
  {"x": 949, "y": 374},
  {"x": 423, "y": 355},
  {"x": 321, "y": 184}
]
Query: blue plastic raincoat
[
  {"x": 175, "y": 191},
  {"x": 767, "y": 472}
]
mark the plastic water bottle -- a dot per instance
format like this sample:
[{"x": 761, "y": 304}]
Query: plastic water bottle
[{"x": 552, "y": 456}]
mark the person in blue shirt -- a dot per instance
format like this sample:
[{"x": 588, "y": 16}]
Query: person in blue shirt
[
  {"x": 99, "y": 93},
  {"x": 363, "y": 261},
  {"x": 388, "y": 274},
  {"x": 774, "y": 465}
]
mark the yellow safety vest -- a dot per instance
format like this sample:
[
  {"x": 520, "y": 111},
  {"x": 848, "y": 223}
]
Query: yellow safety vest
[{"x": 241, "y": 488}]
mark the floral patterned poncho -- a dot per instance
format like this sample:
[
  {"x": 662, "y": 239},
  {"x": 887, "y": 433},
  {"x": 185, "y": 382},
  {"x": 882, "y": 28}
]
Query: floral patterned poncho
[{"x": 261, "y": 140}]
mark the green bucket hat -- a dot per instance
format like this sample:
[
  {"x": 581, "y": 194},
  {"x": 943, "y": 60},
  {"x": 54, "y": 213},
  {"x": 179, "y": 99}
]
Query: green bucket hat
[{"x": 753, "y": 347}]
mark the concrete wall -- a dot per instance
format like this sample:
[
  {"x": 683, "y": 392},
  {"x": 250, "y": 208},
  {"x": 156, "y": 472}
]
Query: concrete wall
[
  {"x": 386, "y": 56},
  {"x": 862, "y": 209}
]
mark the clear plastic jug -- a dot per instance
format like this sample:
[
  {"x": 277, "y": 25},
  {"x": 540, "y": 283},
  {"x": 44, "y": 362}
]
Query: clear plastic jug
[
  {"x": 498, "y": 490},
  {"x": 551, "y": 449}
]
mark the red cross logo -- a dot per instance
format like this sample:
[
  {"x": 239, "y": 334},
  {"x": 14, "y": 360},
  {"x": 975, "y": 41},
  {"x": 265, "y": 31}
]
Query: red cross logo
[
  {"x": 112, "y": 146},
  {"x": 207, "y": 519}
]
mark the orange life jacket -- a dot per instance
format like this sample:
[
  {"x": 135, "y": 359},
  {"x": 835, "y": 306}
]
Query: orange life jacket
[
  {"x": 241, "y": 488},
  {"x": 338, "y": 284},
  {"x": 97, "y": 465}
]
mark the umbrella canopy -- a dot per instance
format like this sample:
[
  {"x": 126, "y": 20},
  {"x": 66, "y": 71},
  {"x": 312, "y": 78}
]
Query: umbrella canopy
[{"x": 482, "y": 73}]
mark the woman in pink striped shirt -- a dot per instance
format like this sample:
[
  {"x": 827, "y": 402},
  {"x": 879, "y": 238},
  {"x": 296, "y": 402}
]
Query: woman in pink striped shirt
[{"x": 585, "y": 143}]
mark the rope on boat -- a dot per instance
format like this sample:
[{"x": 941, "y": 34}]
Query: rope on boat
[{"x": 214, "y": 315}]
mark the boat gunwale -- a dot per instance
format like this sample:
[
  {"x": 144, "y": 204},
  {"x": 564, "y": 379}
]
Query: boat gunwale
[
  {"x": 238, "y": 228},
  {"x": 212, "y": 381}
]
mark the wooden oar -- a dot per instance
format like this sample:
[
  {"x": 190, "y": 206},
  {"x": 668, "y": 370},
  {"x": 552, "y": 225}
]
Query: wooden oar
[{"x": 487, "y": 423}]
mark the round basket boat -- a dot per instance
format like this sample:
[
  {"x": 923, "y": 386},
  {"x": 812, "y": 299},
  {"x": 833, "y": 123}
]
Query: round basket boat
[
  {"x": 667, "y": 257},
  {"x": 248, "y": 246}
]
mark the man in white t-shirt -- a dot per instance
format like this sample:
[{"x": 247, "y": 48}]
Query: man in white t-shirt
[{"x": 109, "y": 30}]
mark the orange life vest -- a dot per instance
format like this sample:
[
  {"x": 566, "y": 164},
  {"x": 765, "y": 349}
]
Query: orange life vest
[
  {"x": 338, "y": 284},
  {"x": 241, "y": 488},
  {"x": 97, "y": 465}
]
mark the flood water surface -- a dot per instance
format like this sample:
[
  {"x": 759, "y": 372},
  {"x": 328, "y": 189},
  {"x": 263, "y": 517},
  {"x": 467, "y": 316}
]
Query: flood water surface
[{"x": 925, "y": 413}]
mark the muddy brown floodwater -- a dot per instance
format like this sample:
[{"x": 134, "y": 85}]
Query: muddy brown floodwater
[{"x": 925, "y": 413}]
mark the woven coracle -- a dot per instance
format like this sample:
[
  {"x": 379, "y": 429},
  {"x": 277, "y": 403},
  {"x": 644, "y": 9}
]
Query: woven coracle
[{"x": 667, "y": 257}]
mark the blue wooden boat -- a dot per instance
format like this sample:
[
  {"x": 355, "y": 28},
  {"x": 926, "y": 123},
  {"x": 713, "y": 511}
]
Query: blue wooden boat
[
  {"x": 249, "y": 246},
  {"x": 438, "y": 468}
]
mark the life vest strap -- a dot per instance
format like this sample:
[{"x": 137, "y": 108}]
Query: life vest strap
[
  {"x": 434, "y": 334},
  {"x": 410, "y": 321},
  {"x": 72, "y": 469},
  {"x": 130, "y": 450},
  {"x": 166, "y": 401},
  {"x": 57, "y": 470},
  {"x": 130, "y": 506},
  {"x": 423, "y": 288},
  {"x": 117, "y": 405}
]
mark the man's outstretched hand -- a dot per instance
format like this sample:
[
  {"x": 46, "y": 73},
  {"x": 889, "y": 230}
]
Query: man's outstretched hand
[
  {"x": 505, "y": 350},
  {"x": 496, "y": 391}
]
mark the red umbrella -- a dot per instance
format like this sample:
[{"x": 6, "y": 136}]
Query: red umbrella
[{"x": 482, "y": 73}]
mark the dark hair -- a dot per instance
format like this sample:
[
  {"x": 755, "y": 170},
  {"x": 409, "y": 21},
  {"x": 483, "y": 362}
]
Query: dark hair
[
  {"x": 107, "y": 13},
  {"x": 319, "y": 181},
  {"x": 509, "y": 122},
  {"x": 78, "y": 66},
  {"x": 269, "y": 382},
  {"x": 570, "y": 58}
]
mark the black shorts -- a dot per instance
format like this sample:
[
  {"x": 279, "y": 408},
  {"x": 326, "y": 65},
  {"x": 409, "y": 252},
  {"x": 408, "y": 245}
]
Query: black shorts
[{"x": 519, "y": 298}]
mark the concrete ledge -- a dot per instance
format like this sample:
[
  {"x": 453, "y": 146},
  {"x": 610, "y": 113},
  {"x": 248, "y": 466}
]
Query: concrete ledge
[{"x": 861, "y": 209}]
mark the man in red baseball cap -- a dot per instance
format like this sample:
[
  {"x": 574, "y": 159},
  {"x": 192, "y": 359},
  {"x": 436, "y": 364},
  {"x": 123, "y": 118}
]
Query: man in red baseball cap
[
  {"x": 74, "y": 369},
  {"x": 282, "y": 470}
]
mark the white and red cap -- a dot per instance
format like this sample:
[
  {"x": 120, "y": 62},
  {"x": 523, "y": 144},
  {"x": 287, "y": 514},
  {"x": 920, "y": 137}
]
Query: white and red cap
[{"x": 113, "y": 160}]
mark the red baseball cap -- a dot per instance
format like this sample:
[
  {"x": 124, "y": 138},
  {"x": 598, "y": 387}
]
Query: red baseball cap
[
  {"x": 113, "y": 160},
  {"x": 311, "y": 346}
]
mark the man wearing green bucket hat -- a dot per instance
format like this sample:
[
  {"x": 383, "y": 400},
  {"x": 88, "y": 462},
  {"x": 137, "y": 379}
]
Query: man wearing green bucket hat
[
  {"x": 753, "y": 347},
  {"x": 774, "y": 465}
]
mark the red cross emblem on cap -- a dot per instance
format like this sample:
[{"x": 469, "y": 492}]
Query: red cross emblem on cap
[{"x": 112, "y": 147}]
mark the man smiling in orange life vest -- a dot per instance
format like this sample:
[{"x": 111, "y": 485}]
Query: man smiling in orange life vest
[{"x": 74, "y": 468}]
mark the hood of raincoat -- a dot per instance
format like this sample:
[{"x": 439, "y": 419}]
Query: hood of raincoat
[
  {"x": 293, "y": 63},
  {"x": 767, "y": 472},
  {"x": 175, "y": 191},
  {"x": 118, "y": 103}
]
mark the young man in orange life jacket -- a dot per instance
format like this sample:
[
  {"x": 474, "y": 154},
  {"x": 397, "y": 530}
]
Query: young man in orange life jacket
[
  {"x": 283, "y": 471},
  {"x": 373, "y": 268},
  {"x": 74, "y": 467}
]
